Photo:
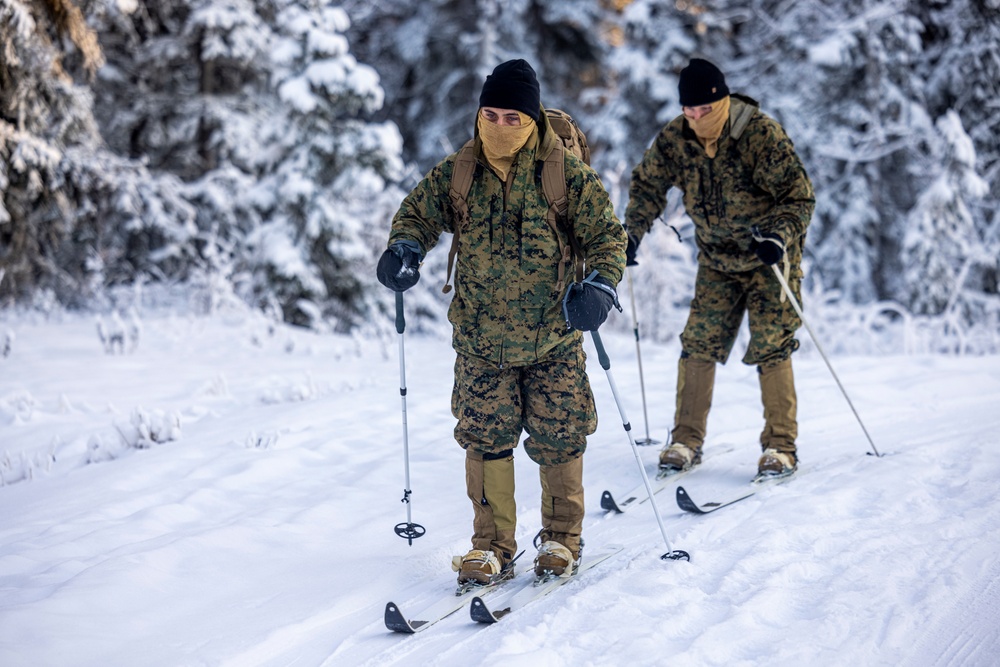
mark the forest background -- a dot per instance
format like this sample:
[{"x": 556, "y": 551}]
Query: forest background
[{"x": 216, "y": 151}]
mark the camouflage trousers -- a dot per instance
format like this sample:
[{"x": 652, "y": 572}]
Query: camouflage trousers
[
  {"x": 721, "y": 299},
  {"x": 551, "y": 401}
]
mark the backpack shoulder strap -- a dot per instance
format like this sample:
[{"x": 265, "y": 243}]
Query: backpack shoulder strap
[
  {"x": 554, "y": 179},
  {"x": 556, "y": 194},
  {"x": 463, "y": 171}
]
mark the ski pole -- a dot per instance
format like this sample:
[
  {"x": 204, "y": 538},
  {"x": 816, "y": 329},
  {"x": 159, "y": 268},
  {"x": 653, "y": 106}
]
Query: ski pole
[
  {"x": 606, "y": 365},
  {"x": 408, "y": 530},
  {"x": 798, "y": 309},
  {"x": 638, "y": 356}
]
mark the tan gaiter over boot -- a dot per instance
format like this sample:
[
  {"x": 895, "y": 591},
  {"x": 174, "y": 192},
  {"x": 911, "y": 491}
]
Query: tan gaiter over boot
[
  {"x": 562, "y": 504},
  {"x": 695, "y": 382},
  {"x": 490, "y": 486},
  {"x": 777, "y": 393}
]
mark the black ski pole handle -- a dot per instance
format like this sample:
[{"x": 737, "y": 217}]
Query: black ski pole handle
[
  {"x": 400, "y": 320},
  {"x": 602, "y": 355}
]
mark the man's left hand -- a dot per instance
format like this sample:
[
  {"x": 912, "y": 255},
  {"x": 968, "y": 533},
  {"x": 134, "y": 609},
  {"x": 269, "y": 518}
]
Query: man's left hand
[
  {"x": 630, "y": 250},
  {"x": 587, "y": 304}
]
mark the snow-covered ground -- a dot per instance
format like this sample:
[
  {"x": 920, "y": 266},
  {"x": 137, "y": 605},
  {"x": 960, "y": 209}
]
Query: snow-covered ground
[{"x": 256, "y": 526}]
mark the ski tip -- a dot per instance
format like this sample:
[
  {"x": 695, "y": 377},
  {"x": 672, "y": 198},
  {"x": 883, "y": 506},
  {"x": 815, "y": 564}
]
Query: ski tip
[
  {"x": 608, "y": 503},
  {"x": 685, "y": 503},
  {"x": 479, "y": 611},
  {"x": 395, "y": 621}
]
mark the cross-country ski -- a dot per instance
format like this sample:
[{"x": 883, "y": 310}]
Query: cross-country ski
[
  {"x": 686, "y": 503},
  {"x": 532, "y": 589},
  {"x": 637, "y": 495},
  {"x": 396, "y": 621}
]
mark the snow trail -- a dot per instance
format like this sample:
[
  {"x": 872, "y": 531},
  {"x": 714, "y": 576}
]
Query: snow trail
[{"x": 262, "y": 535}]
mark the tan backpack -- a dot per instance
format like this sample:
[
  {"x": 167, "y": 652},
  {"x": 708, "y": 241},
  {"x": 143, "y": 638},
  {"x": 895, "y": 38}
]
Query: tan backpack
[{"x": 572, "y": 139}]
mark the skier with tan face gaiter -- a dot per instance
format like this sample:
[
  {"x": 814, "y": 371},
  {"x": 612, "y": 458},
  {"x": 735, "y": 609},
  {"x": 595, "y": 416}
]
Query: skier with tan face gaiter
[
  {"x": 737, "y": 170},
  {"x": 519, "y": 367}
]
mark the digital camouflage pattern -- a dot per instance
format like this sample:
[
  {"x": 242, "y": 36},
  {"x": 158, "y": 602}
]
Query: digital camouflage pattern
[
  {"x": 551, "y": 401},
  {"x": 755, "y": 179},
  {"x": 506, "y": 309},
  {"x": 721, "y": 298}
]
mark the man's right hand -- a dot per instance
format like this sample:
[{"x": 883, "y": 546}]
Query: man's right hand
[
  {"x": 399, "y": 266},
  {"x": 770, "y": 248}
]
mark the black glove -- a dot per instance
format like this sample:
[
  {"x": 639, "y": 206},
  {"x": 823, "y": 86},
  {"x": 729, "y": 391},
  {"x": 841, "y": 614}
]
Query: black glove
[
  {"x": 587, "y": 304},
  {"x": 769, "y": 247},
  {"x": 399, "y": 266},
  {"x": 630, "y": 249}
]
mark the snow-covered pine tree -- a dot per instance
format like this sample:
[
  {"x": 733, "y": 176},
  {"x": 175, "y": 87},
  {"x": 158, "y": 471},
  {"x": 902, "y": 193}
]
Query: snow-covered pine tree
[
  {"x": 941, "y": 242},
  {"x": 41, "y": 112},
  {"x": 197, "y": 66},
  {"x": 74, "y": 216},
  {"x": 261, "y": 108},
  {"x": 201, "y": 68},
  {"x": 431, "y": 57},
  {"x": 962, "y": 70},
  {"x": 326, "y": 189}
]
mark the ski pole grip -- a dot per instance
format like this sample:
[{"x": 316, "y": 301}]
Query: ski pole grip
[
  {"x": 400, "y": 320},
  {"x": 601, "y": 354}
]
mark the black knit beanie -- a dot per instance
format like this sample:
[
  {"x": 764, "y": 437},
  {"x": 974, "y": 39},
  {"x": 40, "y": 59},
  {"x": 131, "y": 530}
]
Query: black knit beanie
[
  {"x": 701, "y": 83},
  {"x": 512, "y": 86}
]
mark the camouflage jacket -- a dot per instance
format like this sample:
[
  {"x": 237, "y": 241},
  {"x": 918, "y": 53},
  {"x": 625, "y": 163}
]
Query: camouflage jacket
[
  {"x": 507, "y": 306},
  {"x": 756, "y": 178}
]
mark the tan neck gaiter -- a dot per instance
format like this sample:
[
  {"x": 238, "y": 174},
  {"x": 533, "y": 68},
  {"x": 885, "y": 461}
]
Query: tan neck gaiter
[
  {"x": 708, "y": 128},
  {"x": 502, "y": 142}
]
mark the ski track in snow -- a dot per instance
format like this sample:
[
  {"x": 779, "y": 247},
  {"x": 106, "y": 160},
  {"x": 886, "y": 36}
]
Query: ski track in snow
[{"x": 263, "y": 534}]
